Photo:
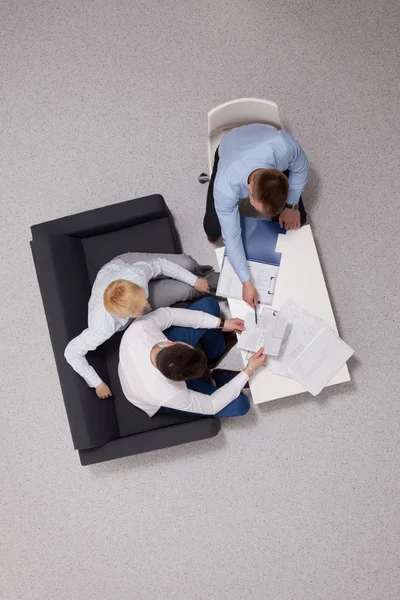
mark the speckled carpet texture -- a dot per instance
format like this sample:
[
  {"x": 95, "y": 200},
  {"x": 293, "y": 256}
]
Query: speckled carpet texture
[{"x": 103, "y": 101}]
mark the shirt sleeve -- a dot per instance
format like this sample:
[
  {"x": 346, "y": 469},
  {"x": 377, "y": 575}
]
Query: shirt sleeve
[
  {"x": 75, "y": 353},
  {"x": 163, "y": 266},
  {"x": 298, "y": 168},
  {"x": 195, "y": 402},
  {"x": 182, "y": 317},
  {"x": 229, "y": 218}
]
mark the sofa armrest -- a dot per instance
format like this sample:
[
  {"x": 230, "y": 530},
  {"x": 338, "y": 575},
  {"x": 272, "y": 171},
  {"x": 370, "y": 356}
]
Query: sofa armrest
[
  {"x": 108, "y": 218},
  {"x": 156, "y": 439},
  {"x": 65, "y": 290}
]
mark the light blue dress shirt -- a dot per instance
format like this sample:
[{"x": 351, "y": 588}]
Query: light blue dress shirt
[{"x": 243, "y": 150}]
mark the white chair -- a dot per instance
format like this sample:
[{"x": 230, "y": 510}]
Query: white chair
[{"x": 243, "y": 111}]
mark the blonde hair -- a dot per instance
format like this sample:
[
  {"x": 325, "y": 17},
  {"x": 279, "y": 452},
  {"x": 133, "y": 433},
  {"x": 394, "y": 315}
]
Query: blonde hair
[{"x": 123, "y": 298}]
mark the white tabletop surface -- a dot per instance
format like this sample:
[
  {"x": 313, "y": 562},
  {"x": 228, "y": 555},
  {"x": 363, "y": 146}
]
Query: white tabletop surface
[{"x": 301, "y": 280}]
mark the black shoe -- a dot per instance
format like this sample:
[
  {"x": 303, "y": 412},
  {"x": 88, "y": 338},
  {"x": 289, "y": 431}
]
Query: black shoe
[
  {"x": 230, "y": 340},
  {"x": 212, "y": 279},
  {"x": 233, "y": 373},
  {"x": 213, "y": 240}
]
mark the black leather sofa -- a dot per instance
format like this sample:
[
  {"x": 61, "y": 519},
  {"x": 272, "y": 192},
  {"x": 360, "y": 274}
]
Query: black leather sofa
[{"x": 68, "y": 252}]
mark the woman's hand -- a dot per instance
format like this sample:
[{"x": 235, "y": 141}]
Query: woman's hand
[
  {"x": 103, "y": 391},
  {"x": 201, "y": 285},
  {"x": 236, "y": 325}
]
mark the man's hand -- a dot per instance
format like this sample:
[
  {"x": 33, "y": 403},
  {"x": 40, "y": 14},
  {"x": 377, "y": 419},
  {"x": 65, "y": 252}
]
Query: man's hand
[
  {"x": 236, "y": 325},
  {"x": 103, "y": 391},
  {"x": 250, "y": 294},
  {"x": 201, "y": 285},
  {"x": 289, "y": 219}
]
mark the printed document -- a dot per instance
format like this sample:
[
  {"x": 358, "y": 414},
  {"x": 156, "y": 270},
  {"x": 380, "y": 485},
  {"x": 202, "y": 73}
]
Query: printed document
[
  {"x": 301, "y": 330},
  {"x": 268, "y": 332},
  {"x": 311, "y": 353},
  {"x": 320, "y": 361}
]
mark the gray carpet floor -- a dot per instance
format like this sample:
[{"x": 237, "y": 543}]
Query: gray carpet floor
[{"x": 102, "y": 101}]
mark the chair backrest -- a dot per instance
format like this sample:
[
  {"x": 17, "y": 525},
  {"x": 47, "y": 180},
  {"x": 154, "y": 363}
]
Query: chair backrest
[{"x": 235, "y": 113}]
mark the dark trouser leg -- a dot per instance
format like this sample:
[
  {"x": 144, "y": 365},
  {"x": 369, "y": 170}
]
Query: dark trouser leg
[
  {"x": 211, "y": 340},
  {"x": 303, "y": 214},
  {"x": 211, "y": 222}
]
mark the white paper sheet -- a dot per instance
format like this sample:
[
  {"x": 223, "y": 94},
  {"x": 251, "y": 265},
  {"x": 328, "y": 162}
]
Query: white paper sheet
[
  {"x": 320, "y": 361},
  {"x": 263, "y": 276},
  {"x": 267, "y": 333},
  {"x": 301, "y": 330}
]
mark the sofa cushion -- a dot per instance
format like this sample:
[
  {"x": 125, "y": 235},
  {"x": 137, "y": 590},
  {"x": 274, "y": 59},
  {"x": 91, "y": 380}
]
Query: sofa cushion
[
  {"x": 154, "y": 236},
  {"x": 130, "y": 418}
]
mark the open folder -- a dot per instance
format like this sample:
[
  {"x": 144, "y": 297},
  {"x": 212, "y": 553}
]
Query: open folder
[
  {"x": 263, "y": 277},
  {"x": 259, "y": 239}
]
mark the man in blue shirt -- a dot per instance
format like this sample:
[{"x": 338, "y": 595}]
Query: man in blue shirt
[{"x": 270, "y": 167}]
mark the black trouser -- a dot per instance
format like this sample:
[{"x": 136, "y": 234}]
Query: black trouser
[{"x": 211, "y": 222}]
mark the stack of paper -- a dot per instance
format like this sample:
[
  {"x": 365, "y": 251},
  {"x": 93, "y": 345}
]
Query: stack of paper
[
  {"x": 301, "y": 330},
  {"x": 311, "y": 353},
  {"x": 267, "y": 333},
  {"x": 320, "y": 361}
]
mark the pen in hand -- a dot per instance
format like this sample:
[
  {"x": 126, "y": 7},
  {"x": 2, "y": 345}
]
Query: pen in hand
[{"x": 255, "y": 313}]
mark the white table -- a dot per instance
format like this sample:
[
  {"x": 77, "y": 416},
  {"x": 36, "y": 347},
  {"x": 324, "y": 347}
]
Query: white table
[{"x": 301, "y": 280}]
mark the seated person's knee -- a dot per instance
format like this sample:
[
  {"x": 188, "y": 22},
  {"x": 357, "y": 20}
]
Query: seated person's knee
[
  {"x": 243, "y": 404},
  {"x": 211, "y": 306}
]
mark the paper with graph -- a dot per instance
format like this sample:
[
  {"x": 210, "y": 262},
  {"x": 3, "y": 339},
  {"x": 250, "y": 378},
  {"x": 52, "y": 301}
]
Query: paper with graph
[
  {"x": 267, "y": 333},
  {"x": 310, "y": 353}
]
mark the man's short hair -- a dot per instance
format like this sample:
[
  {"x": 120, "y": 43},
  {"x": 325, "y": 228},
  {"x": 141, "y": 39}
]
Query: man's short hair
[
  {"x": 271, "y": 188},
  {"x": 180, "y": 362},
  {"x": 123, "y": 298}
]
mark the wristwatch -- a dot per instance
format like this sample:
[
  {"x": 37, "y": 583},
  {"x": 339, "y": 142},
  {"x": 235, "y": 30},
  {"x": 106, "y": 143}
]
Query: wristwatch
[
  {"x": 292, "y": 206},
  {"x": 222, "y": 323}
]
